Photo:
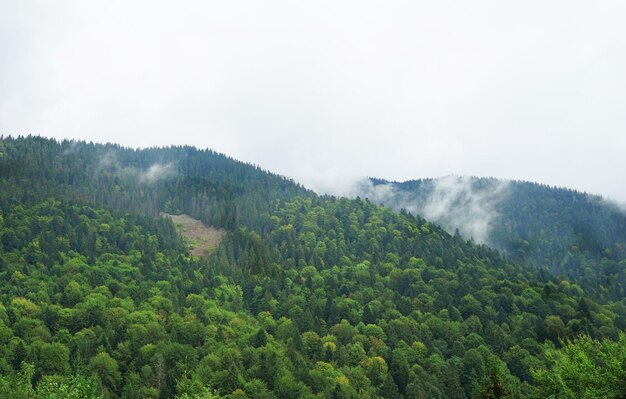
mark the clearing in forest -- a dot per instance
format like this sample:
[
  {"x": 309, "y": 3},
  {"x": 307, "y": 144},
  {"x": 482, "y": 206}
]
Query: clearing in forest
[{"x": 202, "y": 239}]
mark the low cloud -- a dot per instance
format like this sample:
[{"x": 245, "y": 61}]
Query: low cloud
[
  {"x": 347, "y": 186},
  {"x": 156, "y": 172},
  {"x": 110, "y": 161},
  {"x": 454, "y": 202},
  {"x": 620, "y": 206},
  {"x": 458, "y": 202},
  {"x": 107, "y": 160},
  {"x": 72, "y": 147}
]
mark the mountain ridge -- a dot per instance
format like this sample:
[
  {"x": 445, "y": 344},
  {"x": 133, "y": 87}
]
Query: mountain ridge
[
  {"x": 559, "y": 229},
  {"x": 306, "y": 296}
]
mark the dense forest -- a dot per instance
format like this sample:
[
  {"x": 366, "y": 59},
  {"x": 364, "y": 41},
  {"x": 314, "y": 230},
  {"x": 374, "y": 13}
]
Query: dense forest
[
  {"x": 306, "y": 296},
  {"x": 579, "y": 236}
]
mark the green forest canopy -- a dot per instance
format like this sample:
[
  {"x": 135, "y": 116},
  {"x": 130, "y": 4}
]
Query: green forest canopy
[{"x": 306, "y": 296}]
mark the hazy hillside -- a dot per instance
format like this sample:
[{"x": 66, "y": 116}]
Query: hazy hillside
[
  {"x": 206, "y": 185},
  {"x": 572, "y": 234},
  {"x": 305, "y": 296}
]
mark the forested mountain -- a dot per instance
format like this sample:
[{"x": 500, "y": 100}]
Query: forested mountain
[
  {"x": 307, "y": 296},
  {"x": 572, "y": 234},
  {"x": 202, "y": 183}
]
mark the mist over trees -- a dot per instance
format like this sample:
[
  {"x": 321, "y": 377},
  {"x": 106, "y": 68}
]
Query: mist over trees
[
  {"x": 575, "y": 235},
  {"x": 307, "y": 296}
]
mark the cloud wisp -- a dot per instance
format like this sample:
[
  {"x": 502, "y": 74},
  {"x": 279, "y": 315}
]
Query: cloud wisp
[
  {"x": 110, "y": 162},
  {"x": 156, "y": 172},
  {"x": 454, "y": 202}
]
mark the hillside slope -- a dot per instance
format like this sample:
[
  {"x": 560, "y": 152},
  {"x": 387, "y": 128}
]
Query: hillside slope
[
  {"x": 306, "y": 296},
  {"x": 572, "y": 234},
  {"x": 201, "y": 239}
]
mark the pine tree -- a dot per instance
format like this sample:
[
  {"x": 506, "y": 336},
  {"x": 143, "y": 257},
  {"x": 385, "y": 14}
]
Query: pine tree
[{"x": 19, "y": 354}]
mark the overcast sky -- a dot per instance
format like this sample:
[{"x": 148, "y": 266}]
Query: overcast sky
[{"x": 331, "y": 90}]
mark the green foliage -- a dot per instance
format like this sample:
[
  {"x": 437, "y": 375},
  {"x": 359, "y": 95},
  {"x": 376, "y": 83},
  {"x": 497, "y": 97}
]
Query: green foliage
[
  {"x": 206, "y": 393},
  {"x": 496, "y": 383},
  {"x": 306, "y": 296},
  {"x": 572, "y": 234},
  {"x": 106, "y": 369},
  {"x": 584, "y": 369},
  {"x": 19, "y": 386},
  {"x": 70, "y": 387}
]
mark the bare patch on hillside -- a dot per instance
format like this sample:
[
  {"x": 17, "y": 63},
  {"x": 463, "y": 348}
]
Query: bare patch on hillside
[{"x": 202, "y": 239}]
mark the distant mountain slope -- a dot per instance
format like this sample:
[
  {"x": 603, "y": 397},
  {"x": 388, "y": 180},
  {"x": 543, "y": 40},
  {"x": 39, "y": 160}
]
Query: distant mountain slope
[{"x": 570, "y": 233}]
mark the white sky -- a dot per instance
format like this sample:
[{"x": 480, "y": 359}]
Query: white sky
[{"x": 331, "y": 90}]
